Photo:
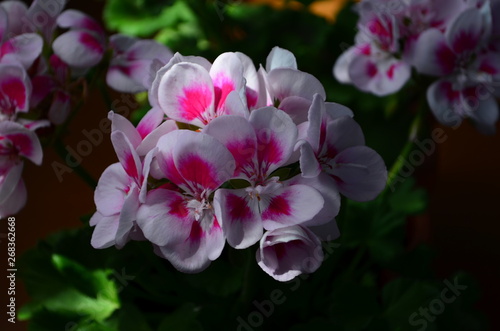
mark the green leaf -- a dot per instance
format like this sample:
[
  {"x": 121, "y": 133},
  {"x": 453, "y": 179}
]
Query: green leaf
[
  {"x": 403, "y": 297},
  {"x": 407, "y": 200},
  {"x": 66, "y": 288}
]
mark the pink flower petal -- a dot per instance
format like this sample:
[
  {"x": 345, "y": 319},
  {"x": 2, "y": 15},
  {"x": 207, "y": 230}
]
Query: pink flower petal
[
  {"x": 151, "y": 140},
  {"x": 202, "y": 161},
  {"x": 227, "y": 76},
  {"x": 15, "y": 202},
  {"x": 288, "y": 252},
  {"x": 127, "y": 155},
  {"x": 433, "y": 55},
  {"x": 105, "y": 230},
  {"x": 280, "y": 58},
  {"x": 294, "y": 204},
  {"x": 80, "y": 49},
  {"x": 467, "y": 32},
  {"x": 285, "y": 82},
  {"x": 238, "y": 136},
  {"x": 359, "y": 172},
  {"x": 186, "y": 94},
  {"x": 150, "y": 121},
  {"x": 276, "y": 138},
  {"x": 239, "y": 216},
  {"x": 111, "y": 190}
]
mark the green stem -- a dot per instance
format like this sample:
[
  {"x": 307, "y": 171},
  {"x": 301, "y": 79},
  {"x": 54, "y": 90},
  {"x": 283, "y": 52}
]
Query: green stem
[
  {"x": 105, "y": 96},
  {"x": 355, "y": 262},
  {"x": 413, "y": 132},
  {"x": 78, "y": 169}
]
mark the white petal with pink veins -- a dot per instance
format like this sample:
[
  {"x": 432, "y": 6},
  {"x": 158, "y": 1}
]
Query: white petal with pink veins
[
  {"x": 165, "y": 158},
  {"x": 127, "y": 155},
  {"x": 468, "y": 31},
  {"x": 22, "y": 141},
  {"x": 165, "y": 217},
  {"x": 443, "y": 101},
  {"x": 9, "y": 181},
  {"x": 341, "y": 67},
  {"x": 105, "y": 230},
  {"x": 177, "y": 58},
  {"x": 342, "y": 133},
  {"x": 128, "y": 215},
  {"x": 196, "y": 252},
  {"x": 294, "y": 204},
  {"x": 227, "y": 76},
  {"x": 359, "y": 172},
  {"x": 203, "y": 162},
  {"x": 120, "y": 123},
  {"x": 15, "y": 202},
  {"x": 285, "y": 82},
  {"x": 186, "y": 94},
  {"x": 238, "y": 136},
  {"x": 276, "y": 137},
  {"x": 309, "y": 165},
  {"x": 433, "y": 56},
  {"x": 150, "y": 121},
  {"x": 239, "y": 216},
  {"x": 111, "y": 190},
  {"x": 76, "y": 19},
  {"x": 485, "y": 116},
  {"x": 288, "y": 252},
  {"x": 296, "y": 108},
  {"x": 15, "y": 90},
  {"x": 380, "y": 77},
  {"x": 80, "y": 49},
  {"x": 234, "y": 105},
  {"x": 119, "y": 79},
  {"x": 16, "y": 13},
  {"x": 151, "y": 140},
  {"x": 23, "y": 48},
  {"x": 327, "y": 187}
]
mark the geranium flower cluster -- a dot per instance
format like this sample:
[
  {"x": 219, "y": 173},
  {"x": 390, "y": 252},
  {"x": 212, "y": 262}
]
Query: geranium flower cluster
[
  {"x": 263, "y": 161},
  {"x": 457, "y": 41},
  {"x": 45, "y": 54}
]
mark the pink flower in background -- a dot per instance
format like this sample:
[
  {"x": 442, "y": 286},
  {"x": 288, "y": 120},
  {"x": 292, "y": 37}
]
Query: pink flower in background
[
  {"x": 83, "y": 46},
  {"x": 285, "y": 253},
  {"x": 16, "y": 143},
  {"x": 135, "y": 63},
  {"x": 181, "y": 222},
  {"x": 373, "y": 64},
  {"x": 15, "y": 91},
  {"x": 460, "y": 55}
]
